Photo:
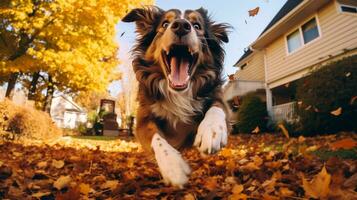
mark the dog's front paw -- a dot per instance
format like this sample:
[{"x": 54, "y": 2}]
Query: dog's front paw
[
  {"x": 173, "y": 168},
  {"x": 212, "y": 131}
]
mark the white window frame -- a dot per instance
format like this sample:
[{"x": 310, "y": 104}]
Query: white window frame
[
  {"x": 339, "y": 8},
  {"x": 299, "y": 28}
]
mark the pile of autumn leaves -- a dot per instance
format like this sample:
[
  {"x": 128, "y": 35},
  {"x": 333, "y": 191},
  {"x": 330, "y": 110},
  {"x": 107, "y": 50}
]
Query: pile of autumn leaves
[{"x": 261, "y": 166}]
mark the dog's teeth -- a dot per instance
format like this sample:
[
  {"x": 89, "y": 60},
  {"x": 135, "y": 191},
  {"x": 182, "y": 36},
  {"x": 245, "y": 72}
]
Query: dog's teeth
[
  {"x": 167, "y": 52},
  {"x": 188, "y": 77}
]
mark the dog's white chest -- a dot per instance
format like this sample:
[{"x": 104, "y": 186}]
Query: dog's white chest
[{"x": 177, "y": 106}]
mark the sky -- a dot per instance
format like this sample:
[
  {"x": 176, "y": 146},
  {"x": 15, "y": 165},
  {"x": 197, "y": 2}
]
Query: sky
[{"x": 235, "y": 12}]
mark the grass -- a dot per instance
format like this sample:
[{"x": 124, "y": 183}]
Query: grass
[{"x": 342, "y": 153}]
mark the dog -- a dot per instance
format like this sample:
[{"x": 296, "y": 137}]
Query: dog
[{"x": 178, "y": 61}]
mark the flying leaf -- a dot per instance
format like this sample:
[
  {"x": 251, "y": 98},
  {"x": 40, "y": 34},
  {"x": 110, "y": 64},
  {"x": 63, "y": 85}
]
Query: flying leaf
[
  {"x": 337, "y": 112},
  {"x": 253, "y": 12},
  {"x": 353, "y": 99},
  {"x": 121, "y": 35},
  {"x": 319, "y": 187},
  {"x": 285, "y": 131},
  {"x": 256, "y": 130}
]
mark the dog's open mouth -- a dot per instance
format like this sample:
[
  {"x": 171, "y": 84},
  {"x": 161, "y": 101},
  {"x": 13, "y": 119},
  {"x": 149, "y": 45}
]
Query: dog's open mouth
[{"x": 179, "y": 61}]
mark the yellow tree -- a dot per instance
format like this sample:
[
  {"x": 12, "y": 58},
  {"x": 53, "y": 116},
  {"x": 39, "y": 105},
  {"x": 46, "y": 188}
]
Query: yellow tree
[{"x": 72, "y": 41}]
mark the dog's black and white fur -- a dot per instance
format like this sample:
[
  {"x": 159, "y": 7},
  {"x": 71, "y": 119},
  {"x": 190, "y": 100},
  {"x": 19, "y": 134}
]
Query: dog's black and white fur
[{"x": 178, "y": 62}]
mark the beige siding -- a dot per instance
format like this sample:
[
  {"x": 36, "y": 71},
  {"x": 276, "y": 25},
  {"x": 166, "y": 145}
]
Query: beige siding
[
  {"x": 254, "y": 70},
  {"x": 338, "y": 33}
]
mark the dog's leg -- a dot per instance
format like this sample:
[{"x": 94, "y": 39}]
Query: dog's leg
[
  {"x": 173, "y": 168},
  {"x": 212, "y": 131}
]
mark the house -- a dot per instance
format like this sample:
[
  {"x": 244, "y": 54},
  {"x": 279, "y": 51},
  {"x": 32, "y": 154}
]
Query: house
[
  {"x": 303, "y": 35},
  {"x": 66, "y": 113}
]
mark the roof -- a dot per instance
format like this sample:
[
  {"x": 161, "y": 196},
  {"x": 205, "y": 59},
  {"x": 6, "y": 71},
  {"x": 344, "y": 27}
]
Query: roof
[
  {"x": 287, "y": 7},
  {"x": 246, "y": 54}
]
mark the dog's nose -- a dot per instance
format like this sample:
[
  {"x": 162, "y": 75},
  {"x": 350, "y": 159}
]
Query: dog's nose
[{"x": 181, "y": 27}]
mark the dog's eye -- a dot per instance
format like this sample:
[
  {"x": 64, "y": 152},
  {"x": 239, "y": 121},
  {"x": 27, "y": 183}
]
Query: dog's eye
[
  {"x": 197, "y": 26},
  {"x": 165, "y": 24}
]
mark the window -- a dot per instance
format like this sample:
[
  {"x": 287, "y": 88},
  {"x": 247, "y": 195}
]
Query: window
[
  {"x": 303, "y": 35},
  {"x": 310, "y": 31},
  {"x": 348, "y": 9},
  {"x": 294, "y": 41}
]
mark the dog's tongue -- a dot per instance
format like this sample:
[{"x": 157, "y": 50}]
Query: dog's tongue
[{"x": 179, "y": 71}]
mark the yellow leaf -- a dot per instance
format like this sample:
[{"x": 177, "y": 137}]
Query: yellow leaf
[
  {"x": 62, "y": 182},
  {"x": 285, "y": 131},
  {"x": 84, "y": 188},
  {"x": 57, "y": 164},
  {"x": 110, "y": 185},
  {"x": 319, "y": 187},
  {"x": 337, "y": 112}
]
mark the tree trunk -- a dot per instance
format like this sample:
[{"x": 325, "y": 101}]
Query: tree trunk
[
  {"x": 49, "y": 96},
  {"x": 11, "y": 85},
  {"x": 33, "y": 86}
]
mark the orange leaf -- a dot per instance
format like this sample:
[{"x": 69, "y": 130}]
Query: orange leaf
[
  {"x": 353, "y": 99},
  {"x": 347, "y": 143},
  {"x": 253, "y": 12},
  {"x": 337, "y": 112},
  {"x": 256, "y": 130},
  {"x": 211, "y": 183},
  {"x": 285, "y": 131}
]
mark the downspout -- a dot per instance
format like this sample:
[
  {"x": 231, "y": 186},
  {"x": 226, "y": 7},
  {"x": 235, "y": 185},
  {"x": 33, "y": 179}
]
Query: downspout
[{"x": 269, "y": 96}]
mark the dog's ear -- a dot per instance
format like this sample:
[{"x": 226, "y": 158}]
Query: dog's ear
[
  {"x": 146, "y": 18},
  {"x": 221, "y": 31}
]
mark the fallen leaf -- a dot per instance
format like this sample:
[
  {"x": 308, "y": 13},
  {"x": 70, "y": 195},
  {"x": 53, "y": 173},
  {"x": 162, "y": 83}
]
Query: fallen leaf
[
  {"x": 285, "y": 192},
  {"x": 112, "y": 184},
  {"x": 237, "y": 189},
  {"x": 337, "y": 112},
  {"x": 285, "y": 131},
  {"x": 238, "y": 197},
  {"x": 71, "y": 194},
  {"x": 40, "y": 194},
  {"x": 347, "y": 143},
  {"x": 57, "y": 163},
  {"x": 211, "y": 183},
  {"x": 189, "y": 196},
  {"x": 84, "y": 188},
  {"x": 62, "y": 182},
  {"x": 319, "y": 186},
  {"x": 256, "y": 130},
  {"x": 42, "y": 164}
]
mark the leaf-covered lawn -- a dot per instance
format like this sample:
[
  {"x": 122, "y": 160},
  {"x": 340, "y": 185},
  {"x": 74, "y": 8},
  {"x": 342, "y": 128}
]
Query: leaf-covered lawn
[{"x": 259, "y": 166}]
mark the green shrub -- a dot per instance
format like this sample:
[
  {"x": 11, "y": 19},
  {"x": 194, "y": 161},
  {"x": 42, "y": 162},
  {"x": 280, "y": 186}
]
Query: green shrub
[
  {"x": 252, "y": 113},
  {"x": 325, "y": 90}
]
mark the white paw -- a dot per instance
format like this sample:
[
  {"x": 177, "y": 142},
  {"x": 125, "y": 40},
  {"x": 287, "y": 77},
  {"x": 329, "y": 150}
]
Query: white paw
[
  {"x": 173, "y": 168},
  {"x": 212, "y": 131}
]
